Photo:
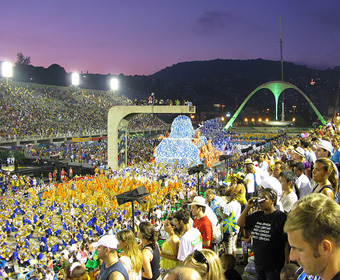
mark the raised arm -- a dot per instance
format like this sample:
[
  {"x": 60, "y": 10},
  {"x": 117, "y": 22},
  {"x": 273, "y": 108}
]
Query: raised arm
[{"x": 242, "y": 219}]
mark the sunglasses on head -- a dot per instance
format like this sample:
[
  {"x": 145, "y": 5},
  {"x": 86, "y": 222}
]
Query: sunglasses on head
[{"x": 198, "y": 256}]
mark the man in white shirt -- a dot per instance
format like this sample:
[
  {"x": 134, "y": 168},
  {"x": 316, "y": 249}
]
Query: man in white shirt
[
  {"x": 279, "y": 166},
  {"x": 158, "y": 212},
  {"x": 324, "y": 149},
  {"x": 250, "y": 178},
  {"x": 191, "y": 239},
  {"x": 263, "y": 165},
  {"x": 302, "y": 181}
]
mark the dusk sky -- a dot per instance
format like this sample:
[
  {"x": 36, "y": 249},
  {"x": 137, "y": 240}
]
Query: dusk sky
[{"x": 145, "y": 36}]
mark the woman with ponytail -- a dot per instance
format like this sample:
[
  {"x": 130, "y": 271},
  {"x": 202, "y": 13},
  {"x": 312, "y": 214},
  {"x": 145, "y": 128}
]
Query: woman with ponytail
[
  {"x": 324, "y": 175},
  {"x": 150, "y": 251}
]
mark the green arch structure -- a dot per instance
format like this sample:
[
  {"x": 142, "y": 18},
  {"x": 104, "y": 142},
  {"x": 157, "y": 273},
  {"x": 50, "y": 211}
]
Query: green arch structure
[{"x": 276, "y": 87}]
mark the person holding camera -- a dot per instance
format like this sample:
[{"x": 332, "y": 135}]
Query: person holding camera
[{"x": 270, "y": 245}]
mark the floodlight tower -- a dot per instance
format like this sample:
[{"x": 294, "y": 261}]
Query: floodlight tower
[
  {"x": 123, "y": 131},
  {"x": 75, "y": 79},
  {"x": 114, "y": 84},
  {"x": 7, "y": 70}
]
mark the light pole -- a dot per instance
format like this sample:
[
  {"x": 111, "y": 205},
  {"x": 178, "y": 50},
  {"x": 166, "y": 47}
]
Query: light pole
[
  {"x": 114, "y": 84},
  {"x": 75, "y": 79},
  {"x": 7, "y": 70}
]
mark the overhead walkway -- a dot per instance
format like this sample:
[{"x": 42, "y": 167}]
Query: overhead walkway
[{"x": 118, "y": 120}]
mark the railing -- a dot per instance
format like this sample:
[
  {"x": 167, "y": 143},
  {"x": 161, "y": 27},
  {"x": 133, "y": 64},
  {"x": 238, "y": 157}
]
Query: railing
[{"x": 102, "y": 132}]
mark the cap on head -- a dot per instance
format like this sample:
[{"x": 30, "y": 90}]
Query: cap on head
[
  {"x": 299, "y": 151},
  {"x": 109, "y": 241},
  {"x": 326, "y": 145}
]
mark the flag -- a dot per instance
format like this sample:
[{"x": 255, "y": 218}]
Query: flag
[{"x": 229, "y": 224}]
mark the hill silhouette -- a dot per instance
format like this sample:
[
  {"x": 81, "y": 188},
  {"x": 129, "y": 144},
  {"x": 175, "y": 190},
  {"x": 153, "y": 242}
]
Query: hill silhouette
[
  {"x": 227, "y": 68},
  {"x": 207, "y": 82}
]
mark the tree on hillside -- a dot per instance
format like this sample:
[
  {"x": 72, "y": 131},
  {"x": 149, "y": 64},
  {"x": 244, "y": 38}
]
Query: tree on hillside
[{"x": 22, "y": 60}]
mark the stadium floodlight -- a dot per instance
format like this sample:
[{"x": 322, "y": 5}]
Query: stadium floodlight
[
  {"x": 114, "y": 84},
  {"x": 7, "y": 69},
  {"x": 75, "y": 79}
]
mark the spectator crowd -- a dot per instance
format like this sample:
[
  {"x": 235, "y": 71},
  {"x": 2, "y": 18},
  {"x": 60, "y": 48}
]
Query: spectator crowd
[
  {"x": 186, "y": 226},
  {"x": 79, "y": 222}
]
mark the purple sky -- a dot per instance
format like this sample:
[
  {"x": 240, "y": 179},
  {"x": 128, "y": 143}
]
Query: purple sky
[{"x": 145, "y": 36}]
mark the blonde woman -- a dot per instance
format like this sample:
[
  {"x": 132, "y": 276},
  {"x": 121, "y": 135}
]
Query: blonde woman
[
  {"x": 240, "y": 190},
  {"x": 250, "y": 179},
  {"x": 170, "y": 247},
  {"x": 131, "y": 257},
  {"x": 233, "y": 183},
  {"x": 207, "y": 263}
]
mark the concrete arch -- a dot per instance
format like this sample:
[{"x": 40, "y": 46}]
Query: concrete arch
[
  {"x": 276, "y": 87},
  {"x": 118, "y": 120}
]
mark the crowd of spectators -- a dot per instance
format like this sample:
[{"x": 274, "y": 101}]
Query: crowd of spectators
[
  {"x": 63, "y": 223},
  {"x": 168, "y": 102},
  {"x": 43, "y": 112},
  {"x": 147, "y": 122},
  {"x": 29, "y": 111},
  {"x": 140, "y": 149},
  {"x": 92, "y": 152},
  {"x": 269, "y": 169}
]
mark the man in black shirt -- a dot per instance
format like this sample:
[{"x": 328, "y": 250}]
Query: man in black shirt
[{"x": 270, "y": 244}]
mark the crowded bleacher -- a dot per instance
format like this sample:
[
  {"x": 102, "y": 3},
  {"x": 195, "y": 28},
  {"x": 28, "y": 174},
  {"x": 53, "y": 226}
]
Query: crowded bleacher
[
  {"x": 51, "y": 112},
  {"x": 60, "y": 229}
]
